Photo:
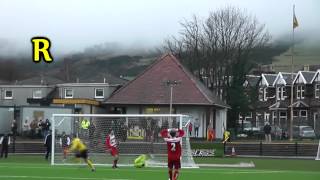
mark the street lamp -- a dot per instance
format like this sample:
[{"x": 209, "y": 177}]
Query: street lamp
[{"x": 172, "y": 83}]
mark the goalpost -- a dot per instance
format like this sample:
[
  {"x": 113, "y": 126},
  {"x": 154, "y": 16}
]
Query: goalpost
[
  {"x": 136, "y": 133},
  {"x": 318, "y": 153}
]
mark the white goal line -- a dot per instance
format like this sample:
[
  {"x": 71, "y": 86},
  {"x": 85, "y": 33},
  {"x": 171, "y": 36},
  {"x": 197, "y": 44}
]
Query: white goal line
[{"x": 119, "y": 115}]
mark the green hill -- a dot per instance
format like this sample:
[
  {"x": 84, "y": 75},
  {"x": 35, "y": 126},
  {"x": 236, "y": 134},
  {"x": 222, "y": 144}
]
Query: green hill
[{"x": 305, "y": 53}]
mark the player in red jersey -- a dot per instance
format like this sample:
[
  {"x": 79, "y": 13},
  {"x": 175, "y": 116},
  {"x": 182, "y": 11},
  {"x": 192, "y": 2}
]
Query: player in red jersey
[
  {"x": 173, "y": 139},
  {"x": 112, "y": 147}
]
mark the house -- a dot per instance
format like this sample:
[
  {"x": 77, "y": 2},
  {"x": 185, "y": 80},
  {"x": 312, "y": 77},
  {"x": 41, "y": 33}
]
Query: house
[
  {"x": 27, "y": 100},
  {"x": 274, "y": 102},
  {"x": 40, "y": 97},
  {"x": 149, "y": 93}
]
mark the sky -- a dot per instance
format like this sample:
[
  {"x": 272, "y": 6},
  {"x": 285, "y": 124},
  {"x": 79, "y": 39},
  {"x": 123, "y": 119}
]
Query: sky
[{"x": 73, "y": 25}]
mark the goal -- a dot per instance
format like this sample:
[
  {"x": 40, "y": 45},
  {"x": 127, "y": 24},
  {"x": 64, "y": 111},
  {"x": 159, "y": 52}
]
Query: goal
[
  {"x": 136, "y": 133},
  {"x": 318, "y": 153}
]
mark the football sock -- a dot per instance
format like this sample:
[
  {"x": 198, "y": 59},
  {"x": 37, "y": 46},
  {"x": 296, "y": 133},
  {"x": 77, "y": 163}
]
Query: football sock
[
  {"x": 175, "y": 175},
  {"x": 170, "y": 174},
  {"x": 90, "y": 164}
]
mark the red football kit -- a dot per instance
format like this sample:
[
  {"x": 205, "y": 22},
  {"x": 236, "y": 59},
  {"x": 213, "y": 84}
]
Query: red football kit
[
  {"x": 174, "y": 147},
  {"x": 111, "y": 144}
]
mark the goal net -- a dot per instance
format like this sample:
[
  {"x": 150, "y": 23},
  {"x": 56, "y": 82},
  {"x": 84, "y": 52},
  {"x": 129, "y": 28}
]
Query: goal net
[
  {"x": 136, "y": 133},
  {"x": 318, "y": 153}
]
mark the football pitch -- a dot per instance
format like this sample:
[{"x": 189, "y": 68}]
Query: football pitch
[{"x": 20, "y": 167}]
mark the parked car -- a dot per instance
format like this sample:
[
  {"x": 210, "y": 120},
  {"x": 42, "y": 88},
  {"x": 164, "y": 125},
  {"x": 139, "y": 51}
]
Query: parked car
[
  {"x": 303, "y": 132},
  {"x": 246, "y": 129}
]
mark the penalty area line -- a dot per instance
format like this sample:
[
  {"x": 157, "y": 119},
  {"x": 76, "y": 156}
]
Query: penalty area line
[{"x": 58, "y": 177}]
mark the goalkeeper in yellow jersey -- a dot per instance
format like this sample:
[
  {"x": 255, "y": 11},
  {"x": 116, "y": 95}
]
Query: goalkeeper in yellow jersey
[
  {"x": 140, "y": 161},
  {"x": 81, "y": 151}
]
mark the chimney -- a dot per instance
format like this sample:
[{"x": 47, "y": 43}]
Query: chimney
[
  {"x": 104, "y": 80},
  {"x": 77, "y": 80},
  {"x": 306, "y": 68}
]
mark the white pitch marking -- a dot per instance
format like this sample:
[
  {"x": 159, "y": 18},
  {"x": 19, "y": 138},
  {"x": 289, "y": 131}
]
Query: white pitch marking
[
  {"x": 203, "y": 170},
  {"x": 46, "y": 177}
]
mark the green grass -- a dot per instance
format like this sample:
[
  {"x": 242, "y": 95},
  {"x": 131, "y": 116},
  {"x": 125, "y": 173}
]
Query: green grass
[{"x": 36, "y": 168}]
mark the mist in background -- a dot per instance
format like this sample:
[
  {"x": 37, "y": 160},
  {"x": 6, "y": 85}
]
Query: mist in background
[{"x": 76, "y": 25}]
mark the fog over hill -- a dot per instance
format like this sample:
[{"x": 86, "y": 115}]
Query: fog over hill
[{"x": 124, "y": 60}]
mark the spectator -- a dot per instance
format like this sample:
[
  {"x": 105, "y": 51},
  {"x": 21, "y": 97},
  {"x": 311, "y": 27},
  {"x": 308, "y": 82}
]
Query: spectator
[
  {"x": 124, "y": 129},
  {"x": 226, "y": 136},
  {"x": 92, "y": 129},
  {"x": 46, "y": 127},
  {"x": 25, "y": 128},
  {"x": 14, "y": 129},
  {"x": 85, "y": 123},
  {"x": 210, "y": 132},
  {"x": 47, "y": 144},
  {"x": 5, "y": 141},
  {"x": 196, "y": 127},
  {"x": 40, "y": 128},
  {"x": 65, "y": 143},
  {"x": 267, "y": 132},
  {"x": 190, "y": 129},
  {"x": 156, "y": 132},
  {"x": 33, "y": 128}
]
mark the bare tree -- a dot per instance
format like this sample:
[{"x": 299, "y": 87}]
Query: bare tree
[{"x": 219, "y": 48}]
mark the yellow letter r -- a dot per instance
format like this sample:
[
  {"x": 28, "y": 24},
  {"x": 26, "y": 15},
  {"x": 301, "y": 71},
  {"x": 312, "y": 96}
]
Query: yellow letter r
[{"x": 41, "y": 49}]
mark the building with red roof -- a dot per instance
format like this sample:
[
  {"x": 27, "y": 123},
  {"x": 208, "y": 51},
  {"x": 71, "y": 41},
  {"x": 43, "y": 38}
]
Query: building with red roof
[{"x": 149, "y": 93}]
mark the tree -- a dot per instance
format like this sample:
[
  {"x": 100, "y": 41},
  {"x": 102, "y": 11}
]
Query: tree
[{"x": 220, "y": 48}]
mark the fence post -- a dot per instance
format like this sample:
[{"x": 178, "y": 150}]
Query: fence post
[
  {"x": 261, "y": 148},
  {"x": 296, "y": 148}
]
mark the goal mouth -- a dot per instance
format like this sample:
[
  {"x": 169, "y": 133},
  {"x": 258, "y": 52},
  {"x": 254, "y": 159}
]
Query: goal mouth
[{"x": 135, "y": 134}]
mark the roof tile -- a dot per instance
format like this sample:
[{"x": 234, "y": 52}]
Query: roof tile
[{"x": 150, "y": 86}]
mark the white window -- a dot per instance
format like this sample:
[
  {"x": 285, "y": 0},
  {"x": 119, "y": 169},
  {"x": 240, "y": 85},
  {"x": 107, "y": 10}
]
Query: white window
[
  {"x": 283, "y": 93},
  {"x": 317, "y": 91},
  {"x": 283, "y": 114},
  {"x": 68, "y": 93},
  {"x": 99, "y": 93},
  {"x": 265, "y": 94},
  {"x": 274, "y": 117},
  {"x": 37, "y": 94},
  {"x": 260, "y": 94},
  {"x": 295, "y": 113},
  {"x": 266, "y": 117},
  {"x": 278, "y": 93},
  {"x": 8, "y": 94},
  {"x": 300, "y": 92},
  {"x": 282, "y": 118},
  {"x": 303, "y": 113}
]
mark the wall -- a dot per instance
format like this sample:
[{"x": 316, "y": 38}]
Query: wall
[
  {"x": 221, "y": 122},
  {"x": 6, "y": 117},
  {"x": 86, "y": 92},
  {"x": 132, "y": 110},
  {"x": 21, "y": 94},
  {"x": 195, "y": 113}
]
